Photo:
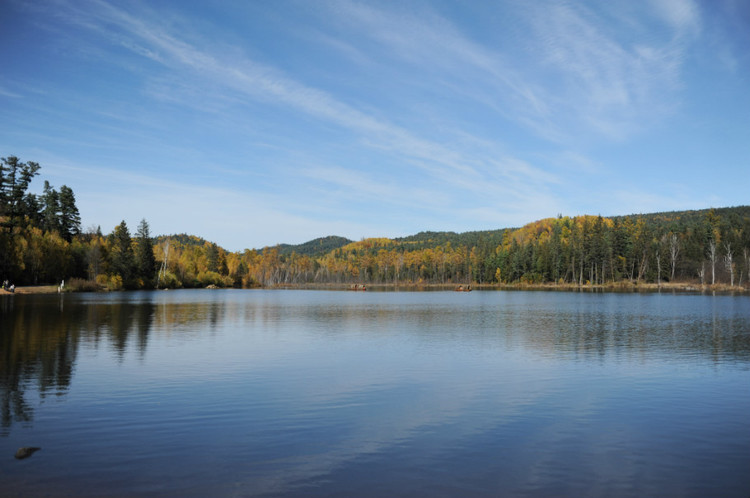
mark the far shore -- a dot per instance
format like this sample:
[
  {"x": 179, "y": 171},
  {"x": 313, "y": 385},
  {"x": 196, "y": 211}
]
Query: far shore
[
  {"x": 624, "y": 286},
  {"x": 609, "y": 287}
]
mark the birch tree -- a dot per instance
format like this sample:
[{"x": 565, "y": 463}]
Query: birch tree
[
  {"x": 712, "y": 259},
  {"x": 729, "y": 263},
  {"x": 674, "y": 251}
]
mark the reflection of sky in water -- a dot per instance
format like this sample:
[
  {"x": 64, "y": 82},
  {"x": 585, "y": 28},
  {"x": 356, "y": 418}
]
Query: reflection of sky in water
[{"x": 336, "y": 393}]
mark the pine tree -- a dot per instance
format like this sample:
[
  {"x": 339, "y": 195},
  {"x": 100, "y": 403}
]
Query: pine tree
[
  {"x": 50, "y": 221},
  {"x": 70, "y": 219},
  {"x": 144, "y": 255},
  {"x": 212, "y": 255},
  {"x": 122, "y": 260},
  {"x": 15, "y": 177}
]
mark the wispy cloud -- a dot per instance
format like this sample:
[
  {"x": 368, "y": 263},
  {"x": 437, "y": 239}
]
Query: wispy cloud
[
  {"x": 613, "y": 85},
  {"x": 435, "y": 45},
  {"x": 264, "y": 82},
  {"x": 254, "y": 219},
  {"x": 476, "y": 171},
  {"x": 565, "y": 70},
  {"x": 449, "y": 121},
  {"x": 9, "y": 94},
  {"x": 682, "y": 15}
]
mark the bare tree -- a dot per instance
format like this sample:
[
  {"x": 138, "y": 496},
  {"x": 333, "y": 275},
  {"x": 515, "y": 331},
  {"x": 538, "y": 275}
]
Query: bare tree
[
  {"x": 658, "y": 267},
  {"x": 702, "y": 272},
  {"x": 728, "y": 262},
  {"x": 712, "y": 258},
  {"x": 674, "y": 251}
]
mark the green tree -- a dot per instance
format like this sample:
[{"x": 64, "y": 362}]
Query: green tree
[
  {"x": 70, "y": 219},
  {"x": 212, "y": 255},
  {"x": 122, "y": 260},
  {"x": 15, "y": 177},
  {"x": 144, "y": 255},
  {"x": 50, "y": 217}
]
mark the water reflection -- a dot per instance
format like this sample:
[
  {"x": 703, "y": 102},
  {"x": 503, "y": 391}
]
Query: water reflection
[
  {"x": 316, "y": 393},
  {"x": 37, "y": 350},
  {"x": 40, "y": 336}
]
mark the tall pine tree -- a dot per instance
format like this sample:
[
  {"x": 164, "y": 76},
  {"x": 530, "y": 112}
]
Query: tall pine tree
[
  {"x": 144, "y": 255},
  {"x": 15, "y": 177},
  {"x": 122, "y": 260},
  {"x": 70, "y": 219},
  {"x": 50, "y": 209}
]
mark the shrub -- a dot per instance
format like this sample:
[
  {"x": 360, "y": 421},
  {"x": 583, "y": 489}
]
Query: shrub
[
  {"x": 207, "y": 278},
  {"x": 168, "y": 280},
  {"x": 249, "y": 282},
  {"x": 111, "y": 282},
  {"x": 81, "y": 285}
]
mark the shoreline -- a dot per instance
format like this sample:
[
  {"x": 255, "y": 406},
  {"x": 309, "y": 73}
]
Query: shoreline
[
  {"x": 686, "y": 287},
  {"x": 31, "y": 289},
  {"x": 568, "y": 287}
]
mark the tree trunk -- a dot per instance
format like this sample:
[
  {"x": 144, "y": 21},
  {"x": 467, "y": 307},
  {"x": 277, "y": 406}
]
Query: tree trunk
[{"x": 712, "y": 258}]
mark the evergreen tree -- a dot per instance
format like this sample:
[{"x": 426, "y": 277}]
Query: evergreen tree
[
  {"x": 144, "y": 255},
  {"x": 122, "y": 260},
  {"x": 15, "y": 177},
  {"x": 240, "y": 274},
  {"x": 32, "y": 209},
  {"x": 70, "y": 219},
  {"x": 212, "y": 255},
  {"x": 50, "y": 221},
  {"x": 15, "y": 203}
]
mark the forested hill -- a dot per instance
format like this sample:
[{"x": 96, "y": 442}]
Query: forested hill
[
  {"x": 315, "y": 247},
  {"x": 182, "y": 238},
  {"x": 709, "y": 246},
  {"x": 671, "y": 221},
  {"x": 424, "y": 240},
  {"x": 680, "y": 220}
]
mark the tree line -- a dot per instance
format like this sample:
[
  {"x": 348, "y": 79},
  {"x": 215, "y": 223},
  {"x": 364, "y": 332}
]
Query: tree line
[
  {"x": 707, "y": 247},
  {"x": 41, "y": 241}
]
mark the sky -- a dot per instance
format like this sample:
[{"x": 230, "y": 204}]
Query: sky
[{"x": 253, "y": 123}]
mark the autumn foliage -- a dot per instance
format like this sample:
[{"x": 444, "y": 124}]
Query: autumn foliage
[{"x": 41, "y": 242}]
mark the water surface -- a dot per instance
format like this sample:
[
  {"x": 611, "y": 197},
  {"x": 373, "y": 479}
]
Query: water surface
[{"x": 324, "y": 393}]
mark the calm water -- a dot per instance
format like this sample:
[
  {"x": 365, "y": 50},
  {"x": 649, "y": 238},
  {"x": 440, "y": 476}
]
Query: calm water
[{"x": 318, "y": 393}]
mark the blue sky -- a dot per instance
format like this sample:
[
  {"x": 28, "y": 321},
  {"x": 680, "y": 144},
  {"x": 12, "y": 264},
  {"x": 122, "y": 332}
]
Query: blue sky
[{"x": 257, "y": 123}]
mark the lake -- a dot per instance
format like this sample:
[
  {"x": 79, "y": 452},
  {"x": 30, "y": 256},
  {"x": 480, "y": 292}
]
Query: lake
[{"x": 370, "y": 394}]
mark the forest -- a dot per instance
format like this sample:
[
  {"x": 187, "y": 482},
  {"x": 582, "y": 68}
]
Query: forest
[{"x": 41, "y": 242}]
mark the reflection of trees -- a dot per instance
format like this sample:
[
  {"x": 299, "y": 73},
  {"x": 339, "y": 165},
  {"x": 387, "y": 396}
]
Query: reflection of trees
[
  {"x": 117, "y": 322},
  {"x": 36, "y": 347},
  {"x": 40, "y": 337},
  {"x": 39, "y": 340}
]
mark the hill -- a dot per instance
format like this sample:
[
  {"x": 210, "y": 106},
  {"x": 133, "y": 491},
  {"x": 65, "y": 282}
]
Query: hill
[
  {"x": 425, "y": 240},
  {"x": 315, "y": 247},
  {"x": 181, "y": 238}
]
